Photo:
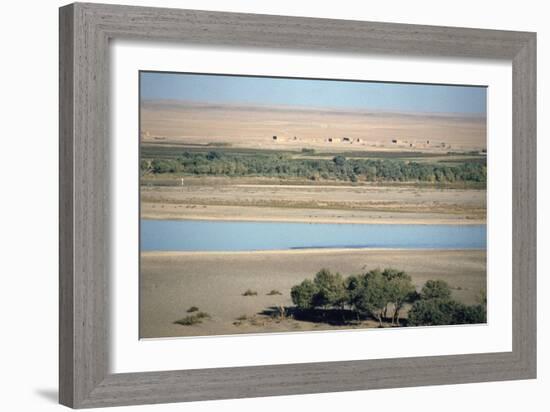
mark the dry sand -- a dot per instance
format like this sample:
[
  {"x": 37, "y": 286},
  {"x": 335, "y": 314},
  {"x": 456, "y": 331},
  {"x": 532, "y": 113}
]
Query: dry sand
[
  {"x": 221, "y": 199},
  {"x": 296, "y": 127},
  {"x": 171, "y": 282}
]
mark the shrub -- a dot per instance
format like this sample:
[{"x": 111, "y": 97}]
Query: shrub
[
  {"x": 473, "y": 314},
  {"x": 431, "y": 312},
  {"x": 192, "y": 309},
  {"x": 274, "y": 292},
  {"x": 250, "y": 292},
  {"x": 193, "y": 319}
]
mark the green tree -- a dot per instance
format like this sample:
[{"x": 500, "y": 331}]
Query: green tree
[
  {"x": 330, "y": 290},
  {"x": 370, "y": 294},
  {"x": 339, "y": 160},
  {"x": 436, "y": 289},
  {"x": 302, "y": 294},
  {"x": 145, "y": 166},
  {"x": 400, "y": 290},
  {"x": 213, "y": 155},
  {"x": 164, "y": 166}
]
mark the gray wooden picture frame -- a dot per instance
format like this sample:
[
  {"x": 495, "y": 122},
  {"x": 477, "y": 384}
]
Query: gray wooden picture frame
[{"x": 85, "y": 32}]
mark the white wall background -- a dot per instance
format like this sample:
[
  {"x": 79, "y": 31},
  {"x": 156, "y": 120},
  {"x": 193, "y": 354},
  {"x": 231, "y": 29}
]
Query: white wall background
[{"x": 28, "y": 204}]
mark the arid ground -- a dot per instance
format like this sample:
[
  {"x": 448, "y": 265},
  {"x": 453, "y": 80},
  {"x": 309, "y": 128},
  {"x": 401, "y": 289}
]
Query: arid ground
[
  {"x": 172, "y": 282},
  {"x": 254, "y": 127},
  {"x": 265, "y": 200}
]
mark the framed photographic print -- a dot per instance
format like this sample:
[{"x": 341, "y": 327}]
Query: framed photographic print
[{"x": 257, "y": 205}]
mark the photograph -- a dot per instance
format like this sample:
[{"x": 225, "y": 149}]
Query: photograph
[{"x": 284, "y": 205}]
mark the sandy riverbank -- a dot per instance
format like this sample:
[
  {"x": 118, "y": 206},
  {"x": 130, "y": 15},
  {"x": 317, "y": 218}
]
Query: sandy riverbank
[
  {"x": 314, "y": 203},
  {"x": 171, "y": 282}
]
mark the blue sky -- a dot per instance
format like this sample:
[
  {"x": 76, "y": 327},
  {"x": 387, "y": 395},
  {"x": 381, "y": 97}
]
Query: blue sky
[{"x": 393, "y": 97}]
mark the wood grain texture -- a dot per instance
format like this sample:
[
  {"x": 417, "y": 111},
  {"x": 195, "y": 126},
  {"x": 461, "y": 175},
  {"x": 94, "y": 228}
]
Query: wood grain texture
[
  {"x": 85, "y": 31},
  {"x": 66, "y": 229}
]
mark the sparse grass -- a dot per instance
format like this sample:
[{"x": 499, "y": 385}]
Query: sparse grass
[
  {"x": 253, "y": 320},
  {"x": 250, "y": 292},
  {"x": 240, "y": 320},
  {"x": 274, "y": 292},
  {"x": 195, "y": 319},
  {"x": 219, "y": 144},
  {"x": 192, "y": 309}
]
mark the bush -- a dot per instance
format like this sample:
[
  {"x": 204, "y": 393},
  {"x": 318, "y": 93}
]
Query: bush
[
  {"x": 193, "y": 319},
  {"x": 192, "y": 309},
  {"x": 274, "y": 292},
  {"x": 250, "y": 292},
  {"x": 431, "y": 312},
  {"x": 474, "y": 314}
]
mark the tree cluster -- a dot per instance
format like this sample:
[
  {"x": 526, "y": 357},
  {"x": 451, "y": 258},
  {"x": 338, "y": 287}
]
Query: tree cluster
[
  {"x": 218, "y": 163},
  {"x": 382, "y": 295},
  {"x": 435, "y": 307}
]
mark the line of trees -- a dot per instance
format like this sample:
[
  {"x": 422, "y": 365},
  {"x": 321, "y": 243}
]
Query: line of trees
[
  {"x": 217, "y": 163},
  {"x": 382, "y": 295}
]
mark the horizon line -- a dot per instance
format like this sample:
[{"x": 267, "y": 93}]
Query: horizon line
[{"x": 334, "y": 109}]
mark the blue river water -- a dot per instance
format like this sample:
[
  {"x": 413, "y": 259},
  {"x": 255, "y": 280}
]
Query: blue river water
[{"x": 187, "y": 235}]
